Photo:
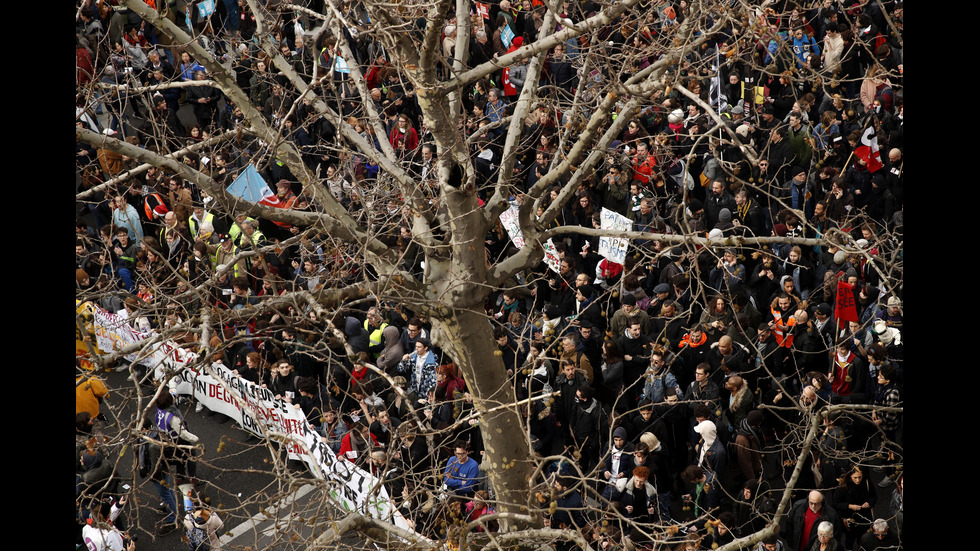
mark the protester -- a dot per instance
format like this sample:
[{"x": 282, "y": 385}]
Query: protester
[{"x": 719, "y": 353}]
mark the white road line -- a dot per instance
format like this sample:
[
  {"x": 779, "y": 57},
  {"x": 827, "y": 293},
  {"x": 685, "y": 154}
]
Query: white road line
[{"x": 270, "y": 514}]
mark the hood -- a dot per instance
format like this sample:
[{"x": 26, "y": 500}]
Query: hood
[
  {"x": 391, "y": 335},
  {"x": 351, "y": 326},
  {"x": 708, "y": 431}
]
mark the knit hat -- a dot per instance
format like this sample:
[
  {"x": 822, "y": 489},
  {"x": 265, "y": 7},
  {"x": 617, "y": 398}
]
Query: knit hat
[
  {"x": 620, "y": 432},
  {"x": 629, "y": 299}
]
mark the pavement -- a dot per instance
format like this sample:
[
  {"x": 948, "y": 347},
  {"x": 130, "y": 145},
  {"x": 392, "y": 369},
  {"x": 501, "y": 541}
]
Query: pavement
[{"x": 265, "y": 503}]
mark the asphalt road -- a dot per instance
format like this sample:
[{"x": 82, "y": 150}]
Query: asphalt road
[{"x": 260, "y": 509}]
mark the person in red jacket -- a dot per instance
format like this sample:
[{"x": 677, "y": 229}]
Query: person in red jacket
[
  {"x": 377, "y": 72},
  {"x": 643, "y": 164},
  {"x": 403, "y": 137},
  {"x": 357, "y": 444}
]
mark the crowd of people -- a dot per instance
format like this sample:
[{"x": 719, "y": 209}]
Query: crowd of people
[{"x": 676, "y": 383}]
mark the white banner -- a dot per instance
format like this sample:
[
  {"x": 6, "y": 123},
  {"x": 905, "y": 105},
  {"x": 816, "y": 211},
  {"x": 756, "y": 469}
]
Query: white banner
[
  {"x": 113, "y": 332},
  {"x": 254, "y": 407},
  {"x": 614, "y": 248},
  {"x": 551, "y": 256},
  {"x": 509, "y": 219}
]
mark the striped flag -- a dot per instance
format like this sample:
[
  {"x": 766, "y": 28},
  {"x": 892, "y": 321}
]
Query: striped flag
[
  {"x": 251, "y": 187},
  {"x": 868, "y": 150},
  {"x": 714, "y": 93}
]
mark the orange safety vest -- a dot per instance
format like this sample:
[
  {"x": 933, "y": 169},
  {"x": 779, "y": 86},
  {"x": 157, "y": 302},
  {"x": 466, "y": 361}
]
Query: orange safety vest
[
  {"x": 154, "y": 207},
  {"x": 782, "y": 330}
]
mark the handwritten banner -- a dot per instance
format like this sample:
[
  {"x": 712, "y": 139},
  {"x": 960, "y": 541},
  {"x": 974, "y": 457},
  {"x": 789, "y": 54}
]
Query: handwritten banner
[
  {"x": 614, "y": 248},
  {"x": 510, "y": 221}
]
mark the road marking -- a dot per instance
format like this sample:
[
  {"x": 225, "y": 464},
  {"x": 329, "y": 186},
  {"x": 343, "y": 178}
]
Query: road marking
[{"x": 270, "y": 514}]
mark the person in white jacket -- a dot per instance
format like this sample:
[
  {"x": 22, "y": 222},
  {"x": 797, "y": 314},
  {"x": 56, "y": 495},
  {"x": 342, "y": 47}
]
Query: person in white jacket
[
  {"x": 204, "y": 526},
  {"x": 833, "y": 47}
]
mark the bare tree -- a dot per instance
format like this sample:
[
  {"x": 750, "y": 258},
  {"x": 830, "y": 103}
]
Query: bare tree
[{"x": 624, "y": 68}]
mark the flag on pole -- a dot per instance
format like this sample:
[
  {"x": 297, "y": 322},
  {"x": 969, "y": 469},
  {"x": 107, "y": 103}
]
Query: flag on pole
[
  {"x": 251, "y": 187},
  {"x": 714, "y": 93},
  {"x": 845, "y": 309},
  {"x": 868, "y": 150}
]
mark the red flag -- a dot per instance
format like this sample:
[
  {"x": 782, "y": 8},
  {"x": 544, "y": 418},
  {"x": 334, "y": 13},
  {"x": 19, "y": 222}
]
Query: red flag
[
  {"x": 509, "y": 89},
  {"x": 483, "y": 10},
  {"x": 845, "y": 310},
  {"x": 868, "y": 150}
]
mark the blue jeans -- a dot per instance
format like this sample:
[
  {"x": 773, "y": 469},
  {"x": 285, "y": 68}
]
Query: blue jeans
[
  {"x": 166, "y": 494},
  {"x": 663, "y": 500},
  {"x": 232, "y": 22},
  {"x": 127, "y": 277}
]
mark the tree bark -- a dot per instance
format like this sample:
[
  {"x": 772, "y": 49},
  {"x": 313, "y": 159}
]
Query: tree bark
[{"x": 507, "y": 459}]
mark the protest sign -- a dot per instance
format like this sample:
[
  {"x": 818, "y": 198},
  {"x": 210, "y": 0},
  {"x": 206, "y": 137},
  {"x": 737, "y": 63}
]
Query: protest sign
[{"x": 614, "y": 248}]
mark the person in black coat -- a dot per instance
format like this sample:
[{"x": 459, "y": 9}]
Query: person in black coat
[
  {"x": 283, "y": 382},
  {"x": 204, "y": 100},
  {"x": 587, "y": 306},
  {"x": 880, "y": 537},
  {"x": 616, "y": 464},
  {"x": 166, "y": 117},
  {"x": 560, "y": 70},
  {"x": 636, "y": 349},
  {"x": 748, "y": 215},
  {"x": 718, "y": 199},
  {"x": 855, "y": 498},
  {"x": 780, "y": 154},
  {"x": 357, "y": 336},
  {"x": 568, "y": 514},
  {"x": 795, "y": 521},
  {"x": 585, "y": 427}
]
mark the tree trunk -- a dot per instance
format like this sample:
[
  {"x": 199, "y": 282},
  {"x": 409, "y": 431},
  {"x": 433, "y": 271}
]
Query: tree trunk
[{"x": 468, "y": 338}]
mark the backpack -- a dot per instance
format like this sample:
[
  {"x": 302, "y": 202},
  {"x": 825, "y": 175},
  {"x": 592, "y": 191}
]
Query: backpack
[
  {"x": 197, "y": 539},
  {"x": 147, "y": 454},
  {"x": 886, "y": 96}
]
